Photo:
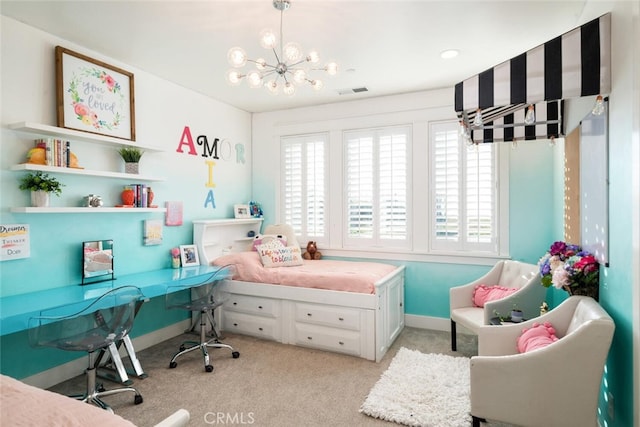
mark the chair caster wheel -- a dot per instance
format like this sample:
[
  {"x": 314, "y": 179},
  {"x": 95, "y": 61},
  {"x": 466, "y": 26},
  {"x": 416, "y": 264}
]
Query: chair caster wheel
[
  {"x": 235, "y": 354},
  {"x": 100, "y": 388},
  {"x": 208, "y": 368},
  {"x": 182, "y": 348},
  {"x": 172, "y": 365},
  {"x": 137, "y": 400}
]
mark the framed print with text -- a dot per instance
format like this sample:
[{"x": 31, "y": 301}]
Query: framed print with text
[{"x": 92, "y": 96}]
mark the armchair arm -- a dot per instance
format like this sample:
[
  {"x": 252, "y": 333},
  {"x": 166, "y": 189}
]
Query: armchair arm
[
  {"x": 528, "y": 299},
  {"x": 461, "y": 296},
  {"x": 501, "y": 340}
]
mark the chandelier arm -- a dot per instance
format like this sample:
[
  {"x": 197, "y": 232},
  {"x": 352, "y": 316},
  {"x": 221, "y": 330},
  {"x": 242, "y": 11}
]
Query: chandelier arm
[
  {"x": 276, "y": 55},
  {"x": 281, "y": 13},
  {"x": 296, "y": 63},
  {"x": 265, "y": 64}
]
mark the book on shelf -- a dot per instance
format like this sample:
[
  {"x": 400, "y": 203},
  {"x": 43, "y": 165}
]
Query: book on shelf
[
  {"x": 57, "y": 151},
  {"x": 141, "y": 195}
]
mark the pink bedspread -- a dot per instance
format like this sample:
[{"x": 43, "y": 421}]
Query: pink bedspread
[
  {"x": 348, "y": 276},
  {"x": 25, "y": 405}
]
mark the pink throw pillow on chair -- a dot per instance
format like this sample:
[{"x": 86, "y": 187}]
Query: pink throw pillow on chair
[
  {"x": 538, "y": 336},
  {"x": 484, "y": 293}
]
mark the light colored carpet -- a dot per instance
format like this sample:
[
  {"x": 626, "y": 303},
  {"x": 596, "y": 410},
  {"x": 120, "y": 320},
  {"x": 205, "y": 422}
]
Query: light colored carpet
[
  {"x": 430, "y": 390},
  {"x": 270, "y": 385}
]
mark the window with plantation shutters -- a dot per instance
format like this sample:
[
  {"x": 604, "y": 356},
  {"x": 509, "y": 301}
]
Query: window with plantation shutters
[
  {"x": 303, "y": 196},
  {"x": 376, "y": 187},
  {"x": 464, "y": 203}
]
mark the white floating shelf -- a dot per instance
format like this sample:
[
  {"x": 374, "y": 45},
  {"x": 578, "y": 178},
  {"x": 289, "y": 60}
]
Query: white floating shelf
[
  {"x": 86, "y": 210},
  {"x": 76, "y": 135},
  {"x": 84, "y": 172}
]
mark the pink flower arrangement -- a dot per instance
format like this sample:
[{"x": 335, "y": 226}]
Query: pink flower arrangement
[
  {"x": 568, "y": 267},
  {"x": 175, "y": 252}
]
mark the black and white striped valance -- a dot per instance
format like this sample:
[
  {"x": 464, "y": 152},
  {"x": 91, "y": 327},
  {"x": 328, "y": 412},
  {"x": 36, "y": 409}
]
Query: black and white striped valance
[{"x": 577, "y": 63}]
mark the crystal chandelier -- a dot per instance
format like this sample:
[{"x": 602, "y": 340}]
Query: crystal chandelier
[{"x": 291, "y": 66}]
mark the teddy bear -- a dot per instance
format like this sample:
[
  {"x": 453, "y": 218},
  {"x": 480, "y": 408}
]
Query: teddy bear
[{"x": 312, "y": 251}]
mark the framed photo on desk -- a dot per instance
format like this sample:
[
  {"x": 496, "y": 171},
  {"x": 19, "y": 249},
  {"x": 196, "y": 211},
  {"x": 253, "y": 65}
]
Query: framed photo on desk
[{"x": 189, "y": 255}]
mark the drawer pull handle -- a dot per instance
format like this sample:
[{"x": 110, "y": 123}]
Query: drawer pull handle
[
  {"x": 260, "y": 329},
  {"x": 235, "y": 324},
  {"x": 235, "y": 303},
  {"x": 309, "y": 314},
  {"x": 260, "y": 307},
  {"x": 340, "y": 342},
  {"x": 309, "y": 338},
  {"x": 341, "y": 319}
]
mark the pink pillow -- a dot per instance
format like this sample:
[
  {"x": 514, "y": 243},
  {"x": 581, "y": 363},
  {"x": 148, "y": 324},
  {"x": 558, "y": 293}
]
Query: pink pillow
[
  {"x": 484, "y": 293},
  {"x": 538, "y": 336}
]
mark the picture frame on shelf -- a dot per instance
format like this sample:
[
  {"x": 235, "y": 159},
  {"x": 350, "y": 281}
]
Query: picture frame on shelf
[
  {"x": 241, "y": 211},
  {"x": 189, "y": 255},
  {"x": 256, "y": 210},
  {"x": 93, "y": 96}
]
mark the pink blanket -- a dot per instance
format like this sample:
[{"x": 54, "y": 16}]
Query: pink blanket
[
  {"x": 25, "y": 405},
  {"x": 348, "y": 276}
]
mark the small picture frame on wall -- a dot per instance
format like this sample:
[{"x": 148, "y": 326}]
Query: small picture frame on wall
[
  {"x": 241, "y": 211},
  {"x": 189, "y": 255},
  {"x": 92, "y": 96}
]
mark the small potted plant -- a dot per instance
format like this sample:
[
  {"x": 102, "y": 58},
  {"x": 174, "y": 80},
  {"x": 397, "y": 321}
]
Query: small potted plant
[
  {"x": 131, "y": 157},
  {"x": 41, "y": 185}
]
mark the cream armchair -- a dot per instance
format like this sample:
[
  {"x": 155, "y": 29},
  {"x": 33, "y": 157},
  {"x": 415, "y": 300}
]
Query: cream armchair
[
  {"x": 557, "y": 385},
  {"x": 510, "y": 274}
]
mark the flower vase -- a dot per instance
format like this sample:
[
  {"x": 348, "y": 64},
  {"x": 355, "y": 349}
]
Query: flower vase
[
  {"x": 40, "y": 199},
  {"x": 585, "y": 290},
  {"x": 175, "y": 262}
]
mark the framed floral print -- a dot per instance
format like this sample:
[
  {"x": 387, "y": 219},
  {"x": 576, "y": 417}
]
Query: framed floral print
[{"x": 92, "y": 96}]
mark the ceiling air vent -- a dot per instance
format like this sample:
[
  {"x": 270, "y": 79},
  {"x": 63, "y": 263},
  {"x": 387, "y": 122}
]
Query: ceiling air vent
[{"x": 354, "y": 90}]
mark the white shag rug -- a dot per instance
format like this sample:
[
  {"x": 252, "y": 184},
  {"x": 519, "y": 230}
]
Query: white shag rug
[{"x": 430, "y": 390}]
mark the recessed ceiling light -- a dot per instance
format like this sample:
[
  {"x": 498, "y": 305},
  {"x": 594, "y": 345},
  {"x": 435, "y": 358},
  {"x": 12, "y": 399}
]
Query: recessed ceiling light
[{"x": 448, "y": 54}]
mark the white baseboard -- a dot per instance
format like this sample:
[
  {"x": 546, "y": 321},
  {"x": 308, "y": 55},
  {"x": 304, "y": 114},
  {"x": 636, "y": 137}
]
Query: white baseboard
[
  {"x": 53, "y": 376},
  {"x": 433, "y": 323}
]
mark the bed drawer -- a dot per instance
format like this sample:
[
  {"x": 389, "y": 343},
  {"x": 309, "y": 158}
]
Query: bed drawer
[
  {"x": 338, "y": 340},
  {"x": 327, "y": 315},
  {"x": 252, "y": 305},
  {"x": 257, "y": 326}
]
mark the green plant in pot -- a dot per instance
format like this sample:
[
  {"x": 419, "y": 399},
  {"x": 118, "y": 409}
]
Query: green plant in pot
[
  {"x": 41, "y": 186},
  {"x": 131, "y": 157}
]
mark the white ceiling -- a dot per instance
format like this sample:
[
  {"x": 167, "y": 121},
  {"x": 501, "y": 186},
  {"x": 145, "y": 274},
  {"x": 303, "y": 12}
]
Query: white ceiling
[{"x": 390, "y": 46}]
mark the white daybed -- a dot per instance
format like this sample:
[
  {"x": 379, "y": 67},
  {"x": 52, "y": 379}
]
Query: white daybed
[{"x": 362, "y": 321}]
